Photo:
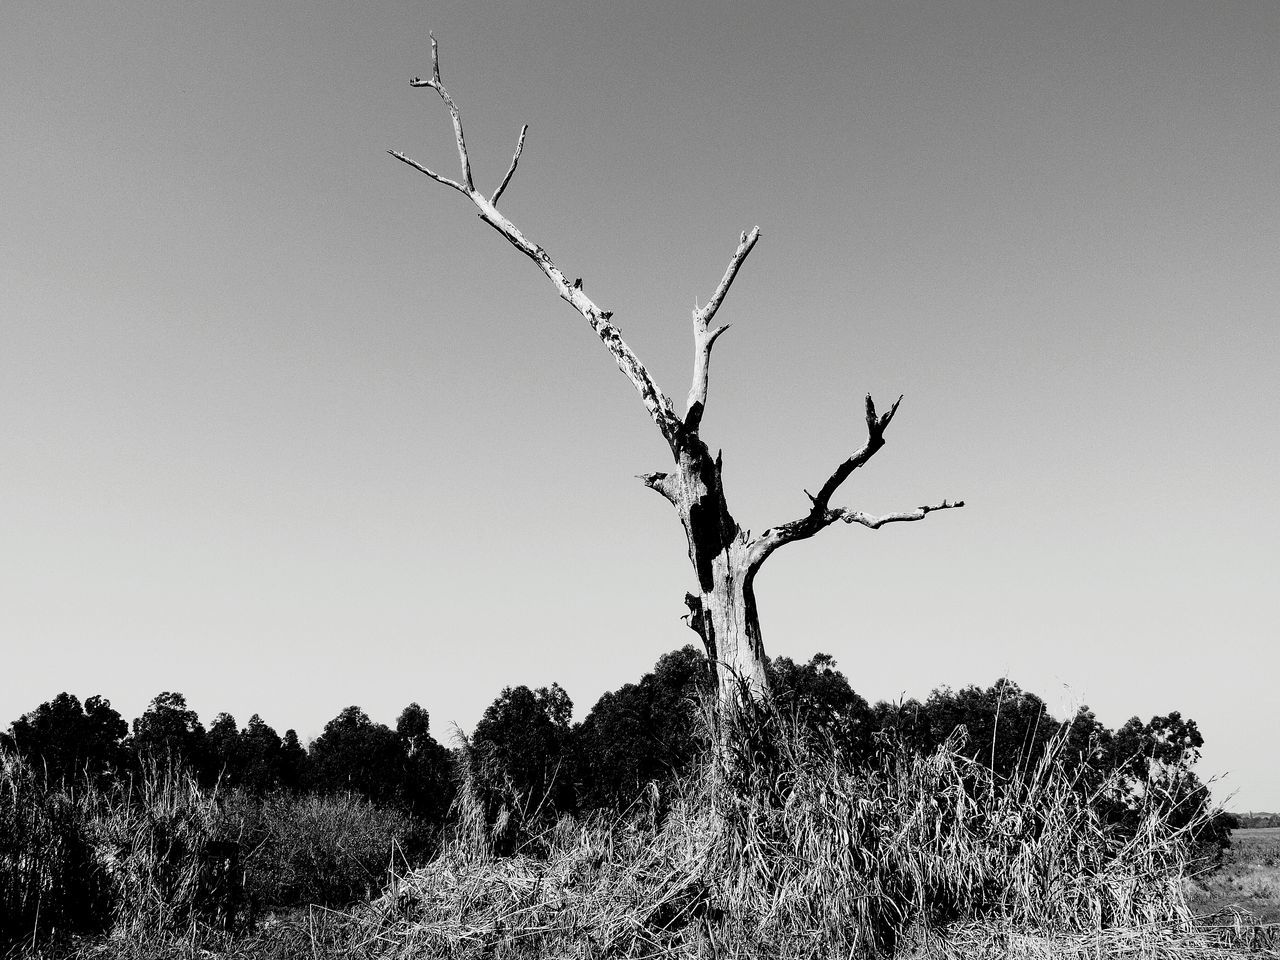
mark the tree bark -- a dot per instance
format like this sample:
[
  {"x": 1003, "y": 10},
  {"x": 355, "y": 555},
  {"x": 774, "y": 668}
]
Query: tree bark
[{"x": 723, "y": 611}]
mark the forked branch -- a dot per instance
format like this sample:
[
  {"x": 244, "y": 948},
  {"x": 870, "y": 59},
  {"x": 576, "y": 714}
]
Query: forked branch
[
  {"x": 435, "y": 84},
  {"x": 704, "y": 337},
  {"x": 876, "y": 426},
  {"x": 821, "y": 515},
  {"x": 656, "y": 402}
]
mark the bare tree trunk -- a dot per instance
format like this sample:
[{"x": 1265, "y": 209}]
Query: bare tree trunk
[
  {"x": 723, "y": 611},
  {"x": 725, "y": 558}
]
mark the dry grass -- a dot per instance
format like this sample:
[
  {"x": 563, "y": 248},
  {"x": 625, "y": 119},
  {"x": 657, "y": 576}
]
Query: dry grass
[
  {"x": 797, "y": 855},
  {"x": 156, "y": 862},
  {"x": 48, "y": 876},
  {"x": 1157, "y": 942},
  {"x": 296, "y": 850},
  {"x": 783, "y": 850},
  {"x": 151, "y": 839}
]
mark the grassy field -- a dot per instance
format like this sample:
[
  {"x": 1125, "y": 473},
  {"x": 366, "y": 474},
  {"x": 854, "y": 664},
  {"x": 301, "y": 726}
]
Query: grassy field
[
  {"x": 1248, "y": 879},
  {"x": 790, "y": 853}
]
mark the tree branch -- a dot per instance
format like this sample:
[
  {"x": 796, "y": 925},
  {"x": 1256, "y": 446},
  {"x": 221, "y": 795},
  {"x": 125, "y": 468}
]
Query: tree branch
[
  {"x": 821, "y": 515},
  {"x": 660, "y": 408},
  {"x": 876, "y": 426},
  {"x": 434, "y": 176},
  {"x": 435, "y": 84},
  {"x": 515, "y": 158},
  {"x": 704, "y": 337},
  {"x": 904, "y": 516}
]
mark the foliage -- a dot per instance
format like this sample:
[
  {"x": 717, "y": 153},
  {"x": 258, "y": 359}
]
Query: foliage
[
  {"x": 1128, "y": 771},
  {"x": 836, "y": 826},
  {"x": 354, "y": 753},
  {"x": 1007, "y": 729},
  {"x": 293, "y": 761},
  {"x": 69, "y": 741},
  {"x": 426, "y": 768},
  {"x": 157, "y": 855},
  {"x": 255, "y": 758},
  {"x": 171, "y": 734},
  {"x": 404, "y": 767},
  {"x": 521, "y": 751},
  {"x": 818, "y": 699},
  {"x": 155, "y": 837},
  {"x": 1155, "y": 760},
  {"x": 643, "y": 733}
]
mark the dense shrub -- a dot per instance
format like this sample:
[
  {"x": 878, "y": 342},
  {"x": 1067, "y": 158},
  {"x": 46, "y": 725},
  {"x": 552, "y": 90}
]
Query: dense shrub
[
  {"x": 326, "y": 850},
  {"x": 49, "y": 877},
  {"x": 158, "y": 856}
]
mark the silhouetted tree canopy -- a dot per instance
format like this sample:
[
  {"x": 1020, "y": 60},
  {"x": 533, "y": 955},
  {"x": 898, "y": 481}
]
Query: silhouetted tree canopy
[
  {"x": 356, "y": 754},
  {"x": 427, "y": 771},
  {"x": 527, "y": 756},
  {"x": 642, "y": 732},
  {"x": 818, "y": 698},
  {"x": 262, "y": 756},
  {"x": 293, "y": 762},
  {"x": 522, "y": 748},
  {"x": 226, "y": 758},
  {"x": 68, "y": 740},
  {"x": 1155, "y": 761},
  {"x": 169, "y": 732}
]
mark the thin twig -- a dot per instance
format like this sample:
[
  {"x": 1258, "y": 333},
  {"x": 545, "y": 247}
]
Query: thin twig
[
  {"x": 515, "y": 158},
  {"x": 430, "y": 173}
]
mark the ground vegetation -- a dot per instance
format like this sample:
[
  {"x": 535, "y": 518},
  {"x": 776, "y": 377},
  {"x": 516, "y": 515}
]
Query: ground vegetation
[{"x": 971, "y": 818}]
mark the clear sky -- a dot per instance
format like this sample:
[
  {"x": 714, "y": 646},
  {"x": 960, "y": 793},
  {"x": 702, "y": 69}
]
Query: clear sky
[{"x": 284, "y": 427}]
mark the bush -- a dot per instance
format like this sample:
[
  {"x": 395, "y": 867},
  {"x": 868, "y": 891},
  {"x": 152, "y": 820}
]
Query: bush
[
  {"x": 325, "y": 850},
  {"x": 157, "y": 857}
]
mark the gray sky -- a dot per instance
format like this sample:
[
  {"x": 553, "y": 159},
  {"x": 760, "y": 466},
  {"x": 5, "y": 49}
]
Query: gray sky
[{"x": 285, "y": 428}]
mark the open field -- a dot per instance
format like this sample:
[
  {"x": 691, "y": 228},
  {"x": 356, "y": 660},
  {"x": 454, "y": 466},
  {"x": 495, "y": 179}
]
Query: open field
[{"x": 1248, "y": 879}]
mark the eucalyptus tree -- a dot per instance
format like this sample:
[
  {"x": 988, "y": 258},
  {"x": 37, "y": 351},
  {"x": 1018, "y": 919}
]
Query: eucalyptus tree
[{"x": 725, "y": 556}]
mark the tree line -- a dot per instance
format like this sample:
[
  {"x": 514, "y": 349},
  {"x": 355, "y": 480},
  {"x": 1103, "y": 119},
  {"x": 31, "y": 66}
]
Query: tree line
[
  {"x": 1258, "y": 821},
  {"x": 526, "y": 752}
]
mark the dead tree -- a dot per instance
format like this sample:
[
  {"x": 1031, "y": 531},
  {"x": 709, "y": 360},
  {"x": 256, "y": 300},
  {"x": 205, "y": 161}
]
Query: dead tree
[{"x": 725, "y": 557}]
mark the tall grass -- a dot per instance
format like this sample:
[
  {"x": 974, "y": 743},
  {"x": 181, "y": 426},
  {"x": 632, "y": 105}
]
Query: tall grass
[
  {"x": 155, "y": 857},
  {"x": 779, "y": 847},
  {"x": 323, "y": 850},
  {"x": 49, "y": 879},
  {"x": 155, "y": 836},
  {"x": 791, "y": 851},
  {"x": 912, "y": 844}
]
